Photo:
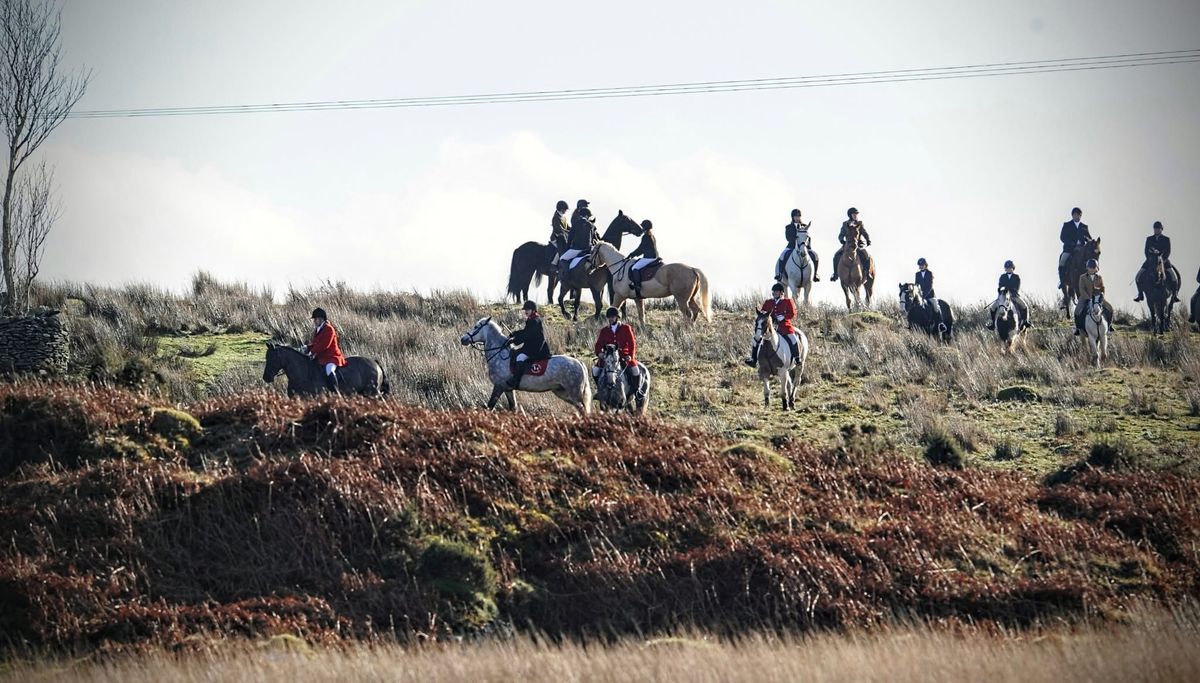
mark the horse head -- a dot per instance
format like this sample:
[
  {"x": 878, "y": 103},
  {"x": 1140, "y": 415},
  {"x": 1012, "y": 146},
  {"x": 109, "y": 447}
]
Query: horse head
[
  {"x": 1005, "y": 311},
  {"x": 475, "y": 334},
  {"x": 761, "y": 327},
  {"x": 274, "y": 364},
  {"x": 1096, "y": 308},
  {"x": 907, "y": 295},
  {"x": 1092, "y": 250},
  {"x": 620, "y": 225}
]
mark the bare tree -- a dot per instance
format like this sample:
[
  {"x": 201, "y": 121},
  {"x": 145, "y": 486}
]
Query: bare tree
[
  {"x": 34, "y": 214},
  {"x": 34, "y": 100}
]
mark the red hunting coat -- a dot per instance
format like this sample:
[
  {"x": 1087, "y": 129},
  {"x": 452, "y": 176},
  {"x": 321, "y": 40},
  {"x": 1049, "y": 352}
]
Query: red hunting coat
[
  {"x": 783, "y": 307},
  {"x": 325, "y": 348},
  {"x": 622, "y": 338}
]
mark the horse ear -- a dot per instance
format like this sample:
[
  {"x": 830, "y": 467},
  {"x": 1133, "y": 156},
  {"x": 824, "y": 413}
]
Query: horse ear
[
  {"x": 620, "y": 212},
  {"x": 488, "y": 320}
]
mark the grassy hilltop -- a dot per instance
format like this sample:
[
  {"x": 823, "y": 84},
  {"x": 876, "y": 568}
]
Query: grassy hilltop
[{"x": 174, "y": 499}]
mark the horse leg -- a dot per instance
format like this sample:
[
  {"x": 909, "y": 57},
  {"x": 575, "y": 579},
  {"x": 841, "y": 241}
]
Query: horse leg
[
  {"x": 846, "y": 293},
  {"x": 510, "y": 397},
  {"x": 783, "y": 388},
  {"x": 553, "y": 278},
  {"x": 497, "y": 390},
  {"x": 766, "y": 392},
  {"x": 577, "y": 295},
  {"x": 562, "y": 295},
  {"x": 641, "y": 308}
]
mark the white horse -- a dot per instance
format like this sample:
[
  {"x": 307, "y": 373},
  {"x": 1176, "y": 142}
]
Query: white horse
[
  {"x": 798, "y": 274},
  {"x": 1096, "y": 326},
  {"x": 565, "y": 377},
  {"x": 1009, "y": 329},
  {"x": 614, "y": 391},
  {"x": 775, "y": 360},
  {"x": 688, "y": 285}
]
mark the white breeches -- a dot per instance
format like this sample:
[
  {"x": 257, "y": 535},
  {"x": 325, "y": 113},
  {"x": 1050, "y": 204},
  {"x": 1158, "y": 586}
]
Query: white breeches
[
  {"x": 330, "y": 368},
  {"x": 571, "y": 253},
  {"x": 1062, "y": 258},
  {"x": 554, "y": 261},
  {"x": 521, "y": 358},
  {"x": 642, "y": 263},
  {"x": 596, "y": 370}
]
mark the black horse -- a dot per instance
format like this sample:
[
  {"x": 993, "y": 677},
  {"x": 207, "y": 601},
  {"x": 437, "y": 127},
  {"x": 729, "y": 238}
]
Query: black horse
[
  {"x": 620, "y": 226},
  {"x": 920, "y": 316},
  {"x": 1159, "y": 284},
  {"x": 307, "y": 378},
  {"x": 532, "y": 261}
]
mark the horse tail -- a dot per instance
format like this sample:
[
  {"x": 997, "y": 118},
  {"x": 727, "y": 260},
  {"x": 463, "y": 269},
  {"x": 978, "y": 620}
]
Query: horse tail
[
  {"x": 520, "y": 271},
  {"x": 586, "y": 394},
  {"x": 702, "y": 292}
]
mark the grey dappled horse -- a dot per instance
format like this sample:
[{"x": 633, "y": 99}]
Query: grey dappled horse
[
  {"x": 565, "y": 377},
  {"x": 307, "y": 378},
  {"x": 613, "y": 388}
]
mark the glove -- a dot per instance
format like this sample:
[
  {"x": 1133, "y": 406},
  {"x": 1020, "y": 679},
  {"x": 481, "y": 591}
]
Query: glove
[
  {"x": 304, "y": 348},
  {"x": 779, "y": 318}
]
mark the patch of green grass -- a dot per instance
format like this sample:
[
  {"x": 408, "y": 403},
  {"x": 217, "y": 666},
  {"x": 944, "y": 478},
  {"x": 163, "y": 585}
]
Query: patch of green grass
[{"x": 227, "y": 351}]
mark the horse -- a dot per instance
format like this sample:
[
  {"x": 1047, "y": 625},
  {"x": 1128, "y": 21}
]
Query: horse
[
  {"x": 918, "y": 313},
  {"x": 306, "y": 377},
  {"x": 1009, "y": 329},
  {"x": 1195, "y": 309},
  {"x": 613, "y": 390},
  {"x": 532, "y": 261},
  {"x": 591, "y": 275},
  {"x": 688, "y": 285},
  {"x": 1159, "y": 285},
  {"x": 798, "y": 274},
  {"x": 565, "y": 377},
  {"x": 851, "y": 271},
  {"x": 621, "y": 225},
  {"x": 1077, "y": 266},
  {"x": 775, "y": 360},
  {"x": 1096, "y": 326}
]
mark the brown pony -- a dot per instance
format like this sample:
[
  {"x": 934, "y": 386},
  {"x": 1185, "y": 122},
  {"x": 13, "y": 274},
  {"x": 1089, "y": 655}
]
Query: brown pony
[
  {"x": 591, "y": 276},
  {"x": 688, "y": 285},
  {"x": 851, "y": 272},
  {"x": 1076, "y": 266}
]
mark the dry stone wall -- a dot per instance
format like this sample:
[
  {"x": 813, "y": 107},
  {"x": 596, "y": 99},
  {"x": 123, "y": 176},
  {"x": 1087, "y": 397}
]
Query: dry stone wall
[{"x": 37, "y": 343}]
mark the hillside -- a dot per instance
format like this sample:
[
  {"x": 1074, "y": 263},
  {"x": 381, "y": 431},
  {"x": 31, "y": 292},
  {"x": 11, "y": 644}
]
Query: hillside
[{"x": 126, "y": 525}]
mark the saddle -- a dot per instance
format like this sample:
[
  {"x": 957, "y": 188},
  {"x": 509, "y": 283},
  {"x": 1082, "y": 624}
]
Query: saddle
[
  {"x": 646, "y": 273},
  {"x": 536, "y": 368},
  {"x": 579, "y": 261}
]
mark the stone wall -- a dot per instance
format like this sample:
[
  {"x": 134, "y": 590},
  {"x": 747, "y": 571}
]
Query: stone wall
[{"x": 37, "y": 343}]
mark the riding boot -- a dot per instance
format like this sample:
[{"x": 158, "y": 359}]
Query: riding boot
[
  {"x": 816, "y": 265},
  {"x": 1178, "y": 282},
  {"x": 519, "y": 368},
  {"x": 331, "y": 382},
  {"x": 991, "y": 323},
  {"x": 795, "y": 348},
  {"x": 780, "y": 266},
  {"x": 1140, "y": 296},
  {"x": 634, "y": 376},
  {"x": 752, "y": 361},
  {"x": 1062, "y": 276},
  {"x": 1079, "y": 323},
  {"x": 837, "y": 259}
]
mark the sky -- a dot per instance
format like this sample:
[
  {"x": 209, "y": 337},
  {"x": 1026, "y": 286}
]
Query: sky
[{"x": 966, "y": 173}]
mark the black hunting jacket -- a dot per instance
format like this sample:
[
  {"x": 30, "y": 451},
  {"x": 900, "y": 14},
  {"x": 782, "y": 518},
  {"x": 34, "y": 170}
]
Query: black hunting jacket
[
  {"x": 924, "y": 280},
  {"x": 559, "y": 230},
  {"x": 862, "y": 231},
  {"x": 583, "y": 233},
  {"x": 1009, "y": 282},
  {"x": 531, "y": 339},
  {"x": 647, "y": 249},
  {"x": 1071, "y": 237},
  {"x": 1160, "y": 242}
]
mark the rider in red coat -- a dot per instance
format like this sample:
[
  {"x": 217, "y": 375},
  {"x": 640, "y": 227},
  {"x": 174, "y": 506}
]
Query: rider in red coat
[
  {"x": 325, "y": 348},
  {"x": 620, "y": 335},
  {"x": 783, "y": 311}
]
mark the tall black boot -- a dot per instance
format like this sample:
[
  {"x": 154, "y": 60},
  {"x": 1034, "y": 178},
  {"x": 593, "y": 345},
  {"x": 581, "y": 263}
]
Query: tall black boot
[
  {"x": 816, "y": 265},
  {"x": 331, "y": 382},
  {"x": 1079, "y": 323},
  {"x": 752, "y": 361},
  {"x": 837, "y": 260},
  {"x": 781, "y": 265},
  {"x": 795, "y": 347},
  {"x": 519, "y": 368}
]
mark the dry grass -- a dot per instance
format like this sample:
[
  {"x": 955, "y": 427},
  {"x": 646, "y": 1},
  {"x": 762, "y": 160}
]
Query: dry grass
[{"x": 1163, "y": 649}]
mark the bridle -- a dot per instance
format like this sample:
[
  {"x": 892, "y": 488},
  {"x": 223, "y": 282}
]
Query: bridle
[{"x": 481, "y": 345}]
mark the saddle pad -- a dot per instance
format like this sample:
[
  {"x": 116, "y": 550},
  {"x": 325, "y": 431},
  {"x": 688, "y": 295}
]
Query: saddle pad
[{"x": 536, "y": 368}]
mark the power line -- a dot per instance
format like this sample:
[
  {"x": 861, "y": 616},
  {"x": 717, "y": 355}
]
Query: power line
[{"x": 1119, "y": 61}]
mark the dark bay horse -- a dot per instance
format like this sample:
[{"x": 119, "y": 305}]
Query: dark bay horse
[
  {"x": 1158, "y": 282},
  {"x": 307, "y": 378},
  {"x": 620, "y": 226},
  {"x": 532, "y": 261},
  {"x": 1076, "y": 266},
  {"x": 920, "y": 316}
]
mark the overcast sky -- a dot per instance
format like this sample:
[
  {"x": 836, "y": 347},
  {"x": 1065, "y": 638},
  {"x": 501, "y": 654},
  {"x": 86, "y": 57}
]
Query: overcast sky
[{"x": 966, "y": 173}]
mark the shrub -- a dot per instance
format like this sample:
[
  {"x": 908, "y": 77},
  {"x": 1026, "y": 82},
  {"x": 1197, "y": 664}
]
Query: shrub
[
  {"x": 1116, "y": 455},
  {"x": 1008, "y": 449},
  {"x": 176, "y": 426},
  {"x": 1064, "y": 425},
  {"x": 455, "y": 568},
  {"x": 942, "y": 448},
  {"x": 1019, "y": 392}
]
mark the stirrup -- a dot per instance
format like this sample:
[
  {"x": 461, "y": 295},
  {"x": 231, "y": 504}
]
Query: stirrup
[{"x": 752, "y": 362}]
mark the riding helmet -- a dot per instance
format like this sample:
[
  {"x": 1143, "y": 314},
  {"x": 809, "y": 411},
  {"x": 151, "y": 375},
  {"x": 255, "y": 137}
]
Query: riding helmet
[
  {"x": 612, "y": 312},
  {"x": 561, "y": 205},
  {"x": 319, "y": 313},
  {"x": 1091, "y": 263},
  {"x": 795, "y": 212},
  {"x": 1158, "y": 225},
  {"x": 647, "y": 225},
  {"x": 777, "y": 287},
  {"x": 1010, "y": 264},
  {"x": 1077, "y": 210},
  {"x": 850, "y": 212},
  {"x": 581, "y": 203},
  {"x": 585, "y": 212},
  {"x": 922, "y": 262},
  {"x": 529, "y": 306}
]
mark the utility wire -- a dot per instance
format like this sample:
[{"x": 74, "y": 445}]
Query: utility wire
[{"x": 1119, "y": 61}]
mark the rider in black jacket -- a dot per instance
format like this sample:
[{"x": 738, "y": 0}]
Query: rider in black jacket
[
  {"x": 1158, "y": 244},
  {"x": 529, "y": 343}
]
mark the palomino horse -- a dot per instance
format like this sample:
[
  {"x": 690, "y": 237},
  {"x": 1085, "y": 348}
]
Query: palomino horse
[
  {"x": 532, "y": 261},
  {"x": 1159, "y": 285},
  {"x": 688, "y": 285},
  {"x": 921, "y": 316},
  {"x": 1096, "y": 326},
  {"x": 1009, "y": 329},
  {"x": 798, "y": 274},
  {"x": 851, "y": 271},
  {"x": 307, "y": 378},
  {"x": 565, "y": 377},
  {"x": 614, "y": 391},
  {"x": 775, "y": 360},
  {"x": 1077, "y": 266}
]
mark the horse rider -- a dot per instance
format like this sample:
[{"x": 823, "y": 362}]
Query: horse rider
[
  {"x": 1009, "y": 282},
  {"x": 783, "y": 311},
  {"x": 582, "y": 237},
  {"x": 1073, "y": 235},
  {"x": 620, "y": 335},
  {"x": 924, "y": 281},
  {"x": 1158, "y": 244},
  {"x": 851, "y": 220},
  {"x": 559, "y": 230},
  {"x": 646, "y": 253},
  {"x": 1090, "y": 283},
  {"x": 795, "y": 233},
  {"x": 529, "y": 342},
  {"x": 325, "y": 349}
]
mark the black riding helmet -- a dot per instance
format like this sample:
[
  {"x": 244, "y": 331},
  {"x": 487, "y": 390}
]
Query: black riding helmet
[
  {"x": 777, "y": 287},
  {"x": 647, "y": 225},
  {"x": 585, "y": 212},
  {"x": 529, "y": 306},
  {"x": 319, "y": 313},
  {"x": 581, "y": 203},
  {"x": 612, "y": 312},
  {"x": 1158, "y": 225},
  {"x": 561, "y": 205},
  {"x": 922, "y": 262},
  {"x": 1010, "y": 264},
  {"x": 795, "y": 212},
  {"x": 850, "y": 212},
  {"x": 1092, "y": 263}
]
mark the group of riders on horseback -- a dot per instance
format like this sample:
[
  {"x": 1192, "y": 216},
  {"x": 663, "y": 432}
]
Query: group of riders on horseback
[{"x": 574, "y": 243}]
